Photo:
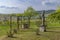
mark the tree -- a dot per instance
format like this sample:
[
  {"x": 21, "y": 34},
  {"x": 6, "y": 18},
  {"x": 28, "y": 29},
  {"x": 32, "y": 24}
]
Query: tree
[
  {"x": 29, "y": 13},
  {"x": 58, "y": 10},
  {"x": 55, "y": 16}
]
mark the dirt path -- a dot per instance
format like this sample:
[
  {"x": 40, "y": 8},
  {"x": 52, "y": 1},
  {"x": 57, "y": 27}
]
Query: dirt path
[{"x": 2, "y": 37}]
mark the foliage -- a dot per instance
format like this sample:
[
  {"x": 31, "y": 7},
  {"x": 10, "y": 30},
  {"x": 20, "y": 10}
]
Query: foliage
[
  {"x": 55, "y": 16},
  {"x": 58, "y": 10},
  {"x": 30, "y": 12},
  {"x": 19, "y": 14}
]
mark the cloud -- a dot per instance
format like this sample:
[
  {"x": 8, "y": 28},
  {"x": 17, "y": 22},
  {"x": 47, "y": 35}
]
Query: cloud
[
  {"x": 6, "y": 9},
  {"x": 10, "y": 6},
  {"x": 49, "y": 3}
]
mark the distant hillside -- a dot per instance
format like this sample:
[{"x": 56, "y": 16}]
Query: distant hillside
[{"x": 46, "y": 11}]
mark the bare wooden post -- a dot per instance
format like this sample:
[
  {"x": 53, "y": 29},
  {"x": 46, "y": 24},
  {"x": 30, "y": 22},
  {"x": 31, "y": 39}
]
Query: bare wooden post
[
  {"x": 43, "y": 26},
  {"x": 21, "y": 21},
  {"x": 10, "y": 33},
  {"x": 29, "y": 21},
  {"x": 18, "y": 22},
  {"x": 10, "y": 24}
]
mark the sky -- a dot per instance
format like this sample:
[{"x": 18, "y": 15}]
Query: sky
[{"x": 18, "y": 6}]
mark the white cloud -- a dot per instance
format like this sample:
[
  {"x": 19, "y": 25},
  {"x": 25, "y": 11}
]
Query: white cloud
[
  {"x": 50, "y": 3},
  {"x": 21, "y": 5}
]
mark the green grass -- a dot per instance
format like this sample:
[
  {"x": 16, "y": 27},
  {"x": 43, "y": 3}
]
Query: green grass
[
  {"x": 3, "y": 29},
  {"x": 53, "y": 32},
  {"x": 30, "y": 34}
]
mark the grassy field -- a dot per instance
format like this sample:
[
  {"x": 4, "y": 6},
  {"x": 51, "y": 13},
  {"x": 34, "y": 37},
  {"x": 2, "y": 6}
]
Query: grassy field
[{"x": 53, "y": 33}]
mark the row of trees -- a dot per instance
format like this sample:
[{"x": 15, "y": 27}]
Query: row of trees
[
  {"x": 27, "y": 13},
  {"x": 30, "y": 12}
]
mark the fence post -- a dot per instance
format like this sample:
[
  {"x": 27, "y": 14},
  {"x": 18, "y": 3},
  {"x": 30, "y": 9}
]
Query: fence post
[
  {"x": 43, "y": 26},
  {"x": 10, "y": 33},
  {"x": 17, "y": 22}
]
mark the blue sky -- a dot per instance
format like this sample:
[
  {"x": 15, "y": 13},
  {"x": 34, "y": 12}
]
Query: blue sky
[{"x": 18, "y": 6}]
